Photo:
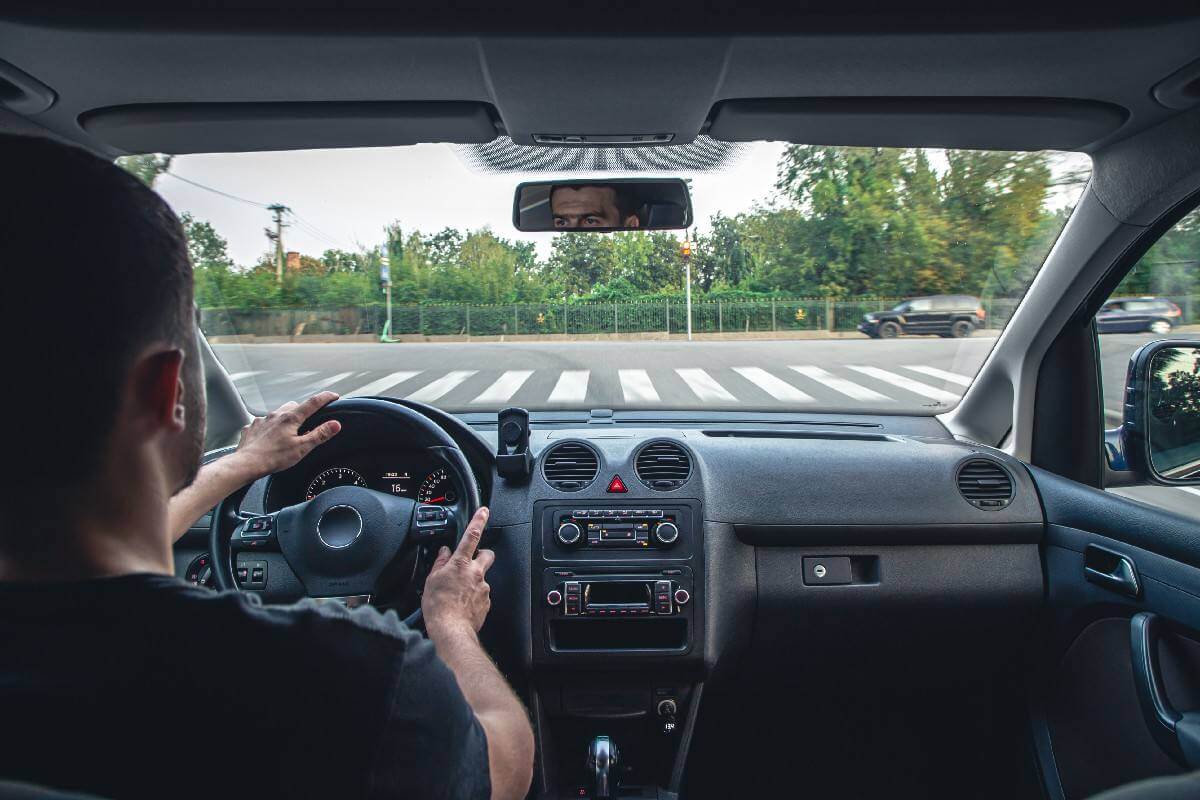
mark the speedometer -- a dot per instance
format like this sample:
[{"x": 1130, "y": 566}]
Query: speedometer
[
  {"x": 334, "y": 476},
  {"x": 438, "y": 488}
]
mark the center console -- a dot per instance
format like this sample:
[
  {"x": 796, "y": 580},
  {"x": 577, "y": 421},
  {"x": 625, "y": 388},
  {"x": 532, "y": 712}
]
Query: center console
[{"x": 618, "y": 643}]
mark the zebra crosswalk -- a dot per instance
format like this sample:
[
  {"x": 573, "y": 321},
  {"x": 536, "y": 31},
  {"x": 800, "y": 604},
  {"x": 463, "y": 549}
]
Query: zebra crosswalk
[{"x": 752, "y": 387}]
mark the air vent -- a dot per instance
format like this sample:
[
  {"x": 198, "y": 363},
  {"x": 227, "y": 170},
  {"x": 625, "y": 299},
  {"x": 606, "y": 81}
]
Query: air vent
[
  {"x": 570, "y": 466},
  {"x": 663, "y": 466},
  {"x": 985, "y": 484}
]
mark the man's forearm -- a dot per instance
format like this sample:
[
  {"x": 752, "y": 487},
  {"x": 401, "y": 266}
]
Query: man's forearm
[
  {"x": 215, "y": 481},
  {"x": 510, "y": 737}
]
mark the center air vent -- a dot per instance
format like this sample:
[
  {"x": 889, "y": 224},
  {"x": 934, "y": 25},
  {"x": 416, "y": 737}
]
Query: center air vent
[
  {"x": 570, "y": 466},
  {"x": 985, "y": 484},
  {"x": 663, "y": 465}
]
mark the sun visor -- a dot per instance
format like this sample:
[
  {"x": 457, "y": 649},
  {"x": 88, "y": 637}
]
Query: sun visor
[
  {"x": 246, "y": 127},
  {"x": 993, "y": 123}
]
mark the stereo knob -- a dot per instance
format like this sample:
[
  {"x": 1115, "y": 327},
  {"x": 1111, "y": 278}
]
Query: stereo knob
[
  {"x": 667, "y": 708},
  {"x": 569, "y": 533},
  {"x": 666, "y": 532},
  {"x": 682, "y": 596},
  {"x": 553, "y": 597}
]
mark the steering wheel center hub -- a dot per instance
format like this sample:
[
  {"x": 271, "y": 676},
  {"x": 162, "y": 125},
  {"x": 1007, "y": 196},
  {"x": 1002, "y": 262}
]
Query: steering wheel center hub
[{"x": 339, "y": 526}]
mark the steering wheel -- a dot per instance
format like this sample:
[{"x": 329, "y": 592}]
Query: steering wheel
[{"x": 340, "y": 542}]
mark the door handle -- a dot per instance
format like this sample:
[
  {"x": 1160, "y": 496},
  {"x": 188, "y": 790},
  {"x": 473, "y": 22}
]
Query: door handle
[
  {"x": 1178, "y": 734},
  {"x": 1111, "y": 570}
]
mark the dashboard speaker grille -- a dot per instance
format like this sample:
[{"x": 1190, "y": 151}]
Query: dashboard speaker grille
[
  {"x": 985, "y": 484},
  {"x": 570, "y": 466},
  {"x": 663, "y": 465}
]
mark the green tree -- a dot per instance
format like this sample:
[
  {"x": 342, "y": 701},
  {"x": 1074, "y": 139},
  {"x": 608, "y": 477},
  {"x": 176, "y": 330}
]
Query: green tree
[{"x": 146, "y": 167}]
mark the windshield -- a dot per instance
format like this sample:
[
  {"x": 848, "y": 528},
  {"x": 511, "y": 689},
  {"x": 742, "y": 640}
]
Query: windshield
[{"x": 819, "y": 278}]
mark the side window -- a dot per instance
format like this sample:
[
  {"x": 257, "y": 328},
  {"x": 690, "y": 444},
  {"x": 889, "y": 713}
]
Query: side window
[
  {"x": 1158, "y": 299},
  {"x": 923, "y": 304}
]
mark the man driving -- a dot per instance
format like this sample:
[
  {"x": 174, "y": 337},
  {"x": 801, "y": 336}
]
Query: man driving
[
  {"x": 593, "y": 206},
  {"x": 119, "y": 679}
]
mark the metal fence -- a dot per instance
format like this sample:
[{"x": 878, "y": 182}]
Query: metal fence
[{"x": 812, "y": 314}]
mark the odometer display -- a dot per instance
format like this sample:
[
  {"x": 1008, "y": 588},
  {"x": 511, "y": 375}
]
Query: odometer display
[
  {"x": 334, "y": 476},
  {"x": 438, "y": 488}
]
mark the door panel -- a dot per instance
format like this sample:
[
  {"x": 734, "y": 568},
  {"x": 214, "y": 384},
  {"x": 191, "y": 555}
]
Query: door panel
[{"x": 1086, "y": 698}]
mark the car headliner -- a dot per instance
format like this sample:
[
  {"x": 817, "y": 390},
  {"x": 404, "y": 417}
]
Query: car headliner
[{"x": 329, "y": 78}]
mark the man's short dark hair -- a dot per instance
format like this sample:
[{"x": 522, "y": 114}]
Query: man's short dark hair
[
  {"x": 626, "y": 200},
  {"x": 95, "y": 269}
]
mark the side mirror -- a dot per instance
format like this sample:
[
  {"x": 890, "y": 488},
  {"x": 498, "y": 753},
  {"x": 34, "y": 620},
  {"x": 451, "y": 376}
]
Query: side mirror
[{"x": 1160, "y": 434}]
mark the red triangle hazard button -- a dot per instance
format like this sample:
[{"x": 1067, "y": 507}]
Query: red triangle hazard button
[{"x": 617, "y": 486}]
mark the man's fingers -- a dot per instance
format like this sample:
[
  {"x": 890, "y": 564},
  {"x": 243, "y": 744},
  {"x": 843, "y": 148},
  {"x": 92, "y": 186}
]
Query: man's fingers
[
  {"x": 485, "y": 558},
  {"x": 470, "y": 539},
  {"x": 315, "y": 403},
  {"x": 443, "y": 556},
  {"x": 321, "y": 434}
]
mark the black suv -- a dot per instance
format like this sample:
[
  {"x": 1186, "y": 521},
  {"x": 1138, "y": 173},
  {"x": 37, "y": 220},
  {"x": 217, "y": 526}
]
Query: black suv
[{"x": 951, "y": 315}]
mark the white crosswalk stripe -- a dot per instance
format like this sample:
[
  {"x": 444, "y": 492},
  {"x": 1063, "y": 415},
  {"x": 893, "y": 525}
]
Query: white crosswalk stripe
[
  {"x": 843, "y": 386},
  {"x": 571, "y": 387},
  {"x": 704, "y": 385},
  {"x": 777, "y": 388},
  {"x": 504, "y": 387},
  {"x": 944, "y": 375},
  {"x": 325, "y": 383},
  {"x": 237, "y": 376},
  {"x": 442, "y": 386},
  {"x": 636, "y": 386},
  {"x": 291, "y": 376},
  {"x": 907, "y": 384},
  {"x": 384, "y": 383}
]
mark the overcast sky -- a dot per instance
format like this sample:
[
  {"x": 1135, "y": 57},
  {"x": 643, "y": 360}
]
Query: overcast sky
[{"x": 344, "y": 198}]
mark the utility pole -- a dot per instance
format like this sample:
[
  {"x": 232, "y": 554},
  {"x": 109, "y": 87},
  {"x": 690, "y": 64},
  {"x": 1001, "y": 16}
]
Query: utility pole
[{"x": 278, "y": 210}]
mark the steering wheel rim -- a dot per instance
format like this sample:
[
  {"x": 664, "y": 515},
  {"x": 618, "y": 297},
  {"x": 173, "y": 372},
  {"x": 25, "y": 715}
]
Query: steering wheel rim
[{"x": 419, "y": 431}]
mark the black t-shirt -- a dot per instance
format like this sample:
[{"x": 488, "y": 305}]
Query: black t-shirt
[{"x": 145, "y": 686}]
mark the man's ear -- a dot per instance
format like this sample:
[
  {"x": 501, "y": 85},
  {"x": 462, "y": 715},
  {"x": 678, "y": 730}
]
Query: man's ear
[{"x": 158, "y": 381}]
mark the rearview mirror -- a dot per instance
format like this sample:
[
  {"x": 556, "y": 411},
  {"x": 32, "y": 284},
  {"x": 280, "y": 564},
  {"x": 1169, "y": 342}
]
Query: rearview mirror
[
  {"x": 1160, "y": 435},
  {"x": 603, "y": 205}
]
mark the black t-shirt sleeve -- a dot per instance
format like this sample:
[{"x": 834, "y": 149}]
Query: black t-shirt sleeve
[{"x": 432, "y": 745}]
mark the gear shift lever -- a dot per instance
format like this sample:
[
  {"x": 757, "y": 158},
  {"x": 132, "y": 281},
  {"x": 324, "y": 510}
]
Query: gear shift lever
[{"x": 602, "y": 759}]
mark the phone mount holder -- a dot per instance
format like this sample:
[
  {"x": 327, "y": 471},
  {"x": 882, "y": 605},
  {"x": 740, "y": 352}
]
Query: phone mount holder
[{"x": 514, "y": 462}]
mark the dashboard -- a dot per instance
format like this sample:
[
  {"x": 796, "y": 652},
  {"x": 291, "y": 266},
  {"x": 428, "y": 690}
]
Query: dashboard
[{"x": 403, "y": 473}]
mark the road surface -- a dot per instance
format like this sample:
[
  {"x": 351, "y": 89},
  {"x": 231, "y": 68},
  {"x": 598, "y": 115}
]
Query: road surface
[{"x": 903, "y": 375}]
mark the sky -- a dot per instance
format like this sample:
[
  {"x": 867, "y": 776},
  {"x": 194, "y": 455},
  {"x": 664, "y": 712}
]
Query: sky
[{"x": 344, "y": 198}]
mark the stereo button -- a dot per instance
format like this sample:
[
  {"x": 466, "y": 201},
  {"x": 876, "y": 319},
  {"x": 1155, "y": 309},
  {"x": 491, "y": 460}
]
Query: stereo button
[
  {"x": 553, "y": 597},
  {"x": 682, "y": 596}
]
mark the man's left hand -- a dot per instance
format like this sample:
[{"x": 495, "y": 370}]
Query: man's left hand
[{"x": 273, "y": 443}]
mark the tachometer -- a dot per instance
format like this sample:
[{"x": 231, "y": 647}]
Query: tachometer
[
  {"x": 334, "y": 476},
  {"x": 438, "y": 487}
]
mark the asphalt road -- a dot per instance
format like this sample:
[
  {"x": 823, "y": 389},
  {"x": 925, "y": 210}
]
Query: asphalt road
[{"x": 920, "y": 374}]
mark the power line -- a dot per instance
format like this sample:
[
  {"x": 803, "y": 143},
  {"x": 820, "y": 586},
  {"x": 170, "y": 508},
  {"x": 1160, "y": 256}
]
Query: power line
[{"x": 216, "y": 191}]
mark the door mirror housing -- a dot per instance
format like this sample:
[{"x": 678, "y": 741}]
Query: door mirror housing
[{"x": 1160, "y": 433}]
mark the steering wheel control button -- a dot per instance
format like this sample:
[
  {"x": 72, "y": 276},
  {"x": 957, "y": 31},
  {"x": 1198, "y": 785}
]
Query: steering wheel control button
[
  {"x": 258, "y": 528},
  {"x": 569, "y": 533},
  {"x": 827, "y": 571},
  {"x": 339, "y": 527},
  {"x": 553, "y": 597},
  {"x": 682, "y": 596},
  {"x": 666, "y": 532}
]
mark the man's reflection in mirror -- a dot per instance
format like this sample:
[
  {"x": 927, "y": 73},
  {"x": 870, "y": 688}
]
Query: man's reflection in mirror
[{"x": 594, "y": 206}]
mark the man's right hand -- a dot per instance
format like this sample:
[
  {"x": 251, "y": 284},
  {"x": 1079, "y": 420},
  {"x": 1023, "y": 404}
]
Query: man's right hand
[{"x": 456, "y": 595}]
